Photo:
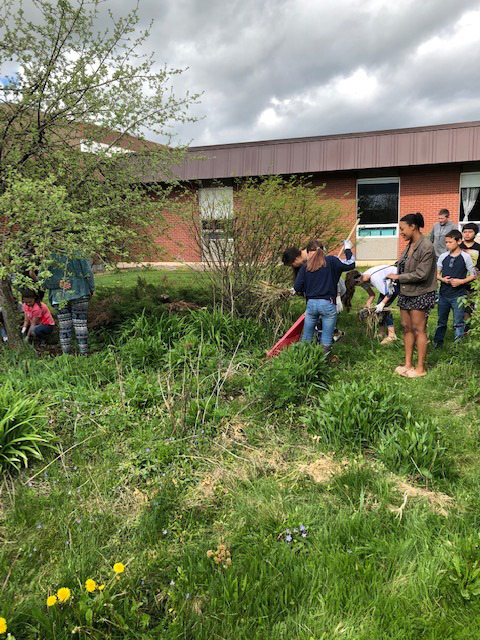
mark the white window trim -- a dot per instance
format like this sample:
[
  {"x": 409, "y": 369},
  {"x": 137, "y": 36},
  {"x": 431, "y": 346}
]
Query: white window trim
[
  {"x": 467, "y": 179},
  {"x": 392, "y": 180}
]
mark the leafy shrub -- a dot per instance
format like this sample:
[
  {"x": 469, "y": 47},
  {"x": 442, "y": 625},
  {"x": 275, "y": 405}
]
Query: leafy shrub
[
  {"x": 145, "y": 342},
  {"x": 226, "y": 331},
  {"x": 23, "y": 429},
  {"x": 464, "y": 567},
  {"x": 414, "y": 449},
  {"x": 297, "y": 373},
  {"x": 356, "y": 413}
]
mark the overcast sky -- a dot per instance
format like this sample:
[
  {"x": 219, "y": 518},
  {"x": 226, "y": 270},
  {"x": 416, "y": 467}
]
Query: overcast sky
[{"x": 283, "y": 68}]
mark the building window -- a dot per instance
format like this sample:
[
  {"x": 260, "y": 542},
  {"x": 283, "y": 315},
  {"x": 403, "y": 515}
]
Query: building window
[
  {"x": 216, "y": 212},
  {"x": 469, "y": 198},
  {"x": 377, "y": 206}
]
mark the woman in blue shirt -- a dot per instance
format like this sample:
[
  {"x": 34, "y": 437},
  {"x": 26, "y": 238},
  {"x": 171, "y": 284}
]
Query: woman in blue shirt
[{"x": 318, "y": 279}]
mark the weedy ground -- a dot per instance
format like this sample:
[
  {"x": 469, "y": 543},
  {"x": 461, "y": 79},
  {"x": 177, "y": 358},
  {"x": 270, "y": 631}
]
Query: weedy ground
[{"x": 246, "y": 498}]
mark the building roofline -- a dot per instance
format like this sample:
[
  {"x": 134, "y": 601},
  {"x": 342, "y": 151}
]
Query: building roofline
[{"x": 337, "y": 136}]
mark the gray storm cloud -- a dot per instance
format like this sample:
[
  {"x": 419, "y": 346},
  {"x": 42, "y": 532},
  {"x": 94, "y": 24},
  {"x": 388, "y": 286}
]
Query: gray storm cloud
[{"x": 283, "y": 68}]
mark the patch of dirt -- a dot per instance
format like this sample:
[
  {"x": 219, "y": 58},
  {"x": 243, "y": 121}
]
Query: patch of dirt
[
  {"x": 210, "y": 487},
  {"x": 323, "y": 469},
  {"x": 179, "y": 306},
  {"x": 100, "y": 313},
  {"x": 233, "y": 431},
  {"x": 439, "y": 502}
]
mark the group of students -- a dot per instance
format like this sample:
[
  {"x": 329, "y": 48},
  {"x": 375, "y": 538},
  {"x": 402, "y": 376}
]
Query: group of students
[
  {"x": 447, "y": 257},
  {"x": 70, "y": 289}
]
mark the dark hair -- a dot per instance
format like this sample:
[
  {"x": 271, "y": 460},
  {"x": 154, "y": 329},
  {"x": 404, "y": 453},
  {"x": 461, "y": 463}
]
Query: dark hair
[
  {"x": 318, "y": 260},
  {"x": 350, "y": 284},
  {"x": 444, "y": 212},
  {"x": 454, "y": 233},
  {"x": 472, "y": 226},
  {"x": 414, "y": 219},
  {"x": 289, "y": 255},
  {"x": 29, "y": 293}
]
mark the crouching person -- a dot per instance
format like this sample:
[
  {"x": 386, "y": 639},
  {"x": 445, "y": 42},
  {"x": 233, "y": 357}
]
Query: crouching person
[{"x": 38, "y": 322}]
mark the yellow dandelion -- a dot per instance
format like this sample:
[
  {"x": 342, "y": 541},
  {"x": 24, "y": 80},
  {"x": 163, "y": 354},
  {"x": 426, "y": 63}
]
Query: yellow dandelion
[
  {"x": 3, "y": 625},
  {"x": 51, "y": 600},
  {"x": 63, "y": 594},
  {"x": 90, "y": 585},
  {"x": 118, "y": 567},
  {"x": 101, "y": 587}
]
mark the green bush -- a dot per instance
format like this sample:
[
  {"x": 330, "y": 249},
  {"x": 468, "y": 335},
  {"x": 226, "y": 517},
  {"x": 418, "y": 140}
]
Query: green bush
[
  {"x": 23, "y": 429},
  {"x": 297, "y": 373},
  {"x": 464, "y": 567},
  {"x": 355, "y": 414},
  {"x": 414, "y": 449},
  {"x": 226, "y": 331},
  {"x": 145, "y": 342}
]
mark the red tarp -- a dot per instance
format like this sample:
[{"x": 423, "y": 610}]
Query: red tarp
[{"x": 293, "y": 335}]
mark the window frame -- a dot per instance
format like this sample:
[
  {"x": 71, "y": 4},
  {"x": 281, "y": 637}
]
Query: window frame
[
  {"x": 390, "y": 225},
  {"x": 466, "y": 177}
]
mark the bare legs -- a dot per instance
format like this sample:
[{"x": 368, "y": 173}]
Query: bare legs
[{"x": 414, "y": 324}]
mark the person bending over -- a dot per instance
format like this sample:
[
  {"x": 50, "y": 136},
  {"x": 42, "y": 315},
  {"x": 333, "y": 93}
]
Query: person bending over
[{"x": 318, "y": 280}]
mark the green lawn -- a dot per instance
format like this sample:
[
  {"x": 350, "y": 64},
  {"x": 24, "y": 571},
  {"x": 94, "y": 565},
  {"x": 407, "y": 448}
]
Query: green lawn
[{"x": 347, "y": 498}]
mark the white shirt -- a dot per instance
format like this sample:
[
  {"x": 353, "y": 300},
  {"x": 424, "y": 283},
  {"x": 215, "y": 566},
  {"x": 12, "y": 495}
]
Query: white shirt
[{"x": 378, "y": 277}]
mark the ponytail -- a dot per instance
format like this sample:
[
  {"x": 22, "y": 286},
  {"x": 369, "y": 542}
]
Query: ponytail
[
  {"x": 351, "y": 280},
  {"x": 318, "y": 260},
  {"x": 414, "y": 219}
]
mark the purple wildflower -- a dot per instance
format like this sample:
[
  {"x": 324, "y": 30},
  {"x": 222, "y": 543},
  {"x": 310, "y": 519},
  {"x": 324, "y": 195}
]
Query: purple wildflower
[{"x": 288, "y": 538}]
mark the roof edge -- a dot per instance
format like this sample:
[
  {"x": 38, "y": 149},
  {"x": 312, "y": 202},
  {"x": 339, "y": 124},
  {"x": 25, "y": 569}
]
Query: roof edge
[{"x": 338, "y": 136}]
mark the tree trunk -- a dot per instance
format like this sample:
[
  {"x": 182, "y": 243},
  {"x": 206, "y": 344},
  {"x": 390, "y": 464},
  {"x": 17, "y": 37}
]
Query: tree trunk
[{"x": 11, "y": 317}]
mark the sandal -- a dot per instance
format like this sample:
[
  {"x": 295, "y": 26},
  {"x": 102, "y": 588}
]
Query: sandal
[
  {"x": 411, "y": 373},
  {"x": 388, "y": 339},
  {"x": 401, "y": 370}
]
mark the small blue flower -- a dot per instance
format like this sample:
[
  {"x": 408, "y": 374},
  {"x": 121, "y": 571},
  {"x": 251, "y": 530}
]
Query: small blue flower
[
  {"x": 35, "y": 548},
  {"x": 30, "y": 484},
  {"x": 287, "y": 531},
  {"x": 142, "y": 582},
  {"x": 172, "y": 583},
  {"x": 288, "y": 538},
  {"x": 164, "y": 532},
  {"x": 304, "y": 534},
  {"x": 302, "y": 527},
  {"x": 75, "y": 468},
  {"x": 295, "y": 531},
  {"x": 187, "y": 596},
  {"x": 79, "y": 520},
  {"x": 155, "y": 503},
  {"x": 39, "y": 526},
  {"x": 147, "y": 450},
  {"x": 92, "y": 412}
]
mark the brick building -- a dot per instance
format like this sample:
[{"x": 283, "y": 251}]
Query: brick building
[{"x": 381, "y": 174}]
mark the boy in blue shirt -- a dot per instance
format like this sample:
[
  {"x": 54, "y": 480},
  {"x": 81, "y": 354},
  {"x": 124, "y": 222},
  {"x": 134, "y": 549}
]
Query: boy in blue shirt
[{"x": 455, "y": 270}]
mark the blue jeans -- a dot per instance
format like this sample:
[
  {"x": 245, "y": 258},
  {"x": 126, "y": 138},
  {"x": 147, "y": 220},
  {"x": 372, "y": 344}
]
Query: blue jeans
[
  {"x": 387, "y": 320},
  {"x": 42, "y": 330},
  {"x": 444, "y": 306},
  {"x": 325, "y": 310}
]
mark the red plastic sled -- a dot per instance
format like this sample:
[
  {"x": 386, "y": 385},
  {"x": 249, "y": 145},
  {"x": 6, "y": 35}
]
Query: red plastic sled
[{"x": 293, "y": 335}]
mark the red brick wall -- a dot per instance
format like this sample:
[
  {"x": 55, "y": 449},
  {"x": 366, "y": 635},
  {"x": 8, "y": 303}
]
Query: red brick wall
[
  {"x": 421, "y": 189},
  {"x": 428, "y": 190}
]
